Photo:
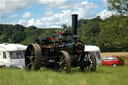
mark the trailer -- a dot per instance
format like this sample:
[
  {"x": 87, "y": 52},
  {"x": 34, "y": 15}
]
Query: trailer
[{"x": 12, "y": 55}]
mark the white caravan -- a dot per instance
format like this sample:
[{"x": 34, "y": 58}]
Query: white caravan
[
  {"x": 96, "y": 50},
  {"x": 12, "y": 55}
]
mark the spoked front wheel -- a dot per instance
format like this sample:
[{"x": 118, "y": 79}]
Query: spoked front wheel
[
  {"x": 63, "y": 62},
  {"x": 88, "y": 62}
]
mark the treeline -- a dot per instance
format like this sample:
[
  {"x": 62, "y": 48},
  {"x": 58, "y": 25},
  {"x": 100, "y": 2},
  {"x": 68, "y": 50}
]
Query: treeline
[
  {"x": 23, "y": 35},
  {"x": 110, "y": 34}
]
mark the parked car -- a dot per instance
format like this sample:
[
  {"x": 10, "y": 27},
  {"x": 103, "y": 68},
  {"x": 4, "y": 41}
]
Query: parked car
[{"x": 114, "y": 61}]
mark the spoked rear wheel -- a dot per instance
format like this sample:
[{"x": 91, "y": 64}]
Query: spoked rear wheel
[
  {"x": 63, "y": 62},
  {"x": 33, "y": 57},
  {"x": 91, "y": 61}
]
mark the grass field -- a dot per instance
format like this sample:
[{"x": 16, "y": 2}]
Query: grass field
[{"x": 103, "y": 76}]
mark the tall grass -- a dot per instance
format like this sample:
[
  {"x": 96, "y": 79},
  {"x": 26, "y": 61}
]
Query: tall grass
[{"x": 102, "y": 76}]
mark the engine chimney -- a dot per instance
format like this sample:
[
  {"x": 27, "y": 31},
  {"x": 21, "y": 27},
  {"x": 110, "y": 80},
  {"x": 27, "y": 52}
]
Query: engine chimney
[{"x": 74, "y": 26}]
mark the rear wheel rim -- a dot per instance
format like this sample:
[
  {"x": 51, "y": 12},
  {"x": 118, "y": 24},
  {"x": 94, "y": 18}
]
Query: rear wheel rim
[
  {"x": 114, "y": 65},
  {"x": 33, "y": 57}
]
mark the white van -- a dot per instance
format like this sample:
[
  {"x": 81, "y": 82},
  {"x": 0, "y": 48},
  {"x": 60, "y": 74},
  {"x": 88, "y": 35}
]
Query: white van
[
  {"x": 12, "y": 55},
  {"x": 96, "y": 50}
]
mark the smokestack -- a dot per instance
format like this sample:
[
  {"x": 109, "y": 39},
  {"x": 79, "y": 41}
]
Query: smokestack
[{"x": 74, "y": 25}]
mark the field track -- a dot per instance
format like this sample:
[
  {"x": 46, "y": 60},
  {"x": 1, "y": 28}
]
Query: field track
[{"x": 115, "y": 54}]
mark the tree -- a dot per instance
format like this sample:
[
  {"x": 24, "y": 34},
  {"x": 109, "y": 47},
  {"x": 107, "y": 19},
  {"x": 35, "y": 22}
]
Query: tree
[
  {"x": 32, "y": 27},
  {"x": 89, "y": 31},
  {"x": 120, "y": 6},
  {"x": 82, "y": 21},
  {"x": 114, "y": 33},
  {"x": 66, "y": 28}
]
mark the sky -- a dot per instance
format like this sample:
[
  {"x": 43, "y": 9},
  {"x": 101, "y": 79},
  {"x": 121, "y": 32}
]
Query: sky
[{"x": 50, "y": 13}]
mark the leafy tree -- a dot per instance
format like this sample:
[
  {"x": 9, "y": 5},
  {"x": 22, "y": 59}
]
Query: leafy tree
[
  {"x": 120, "y": 6},
  {"x": 114, "y": 33},
  {"x": 90, "y": 30},
  {"x": 32, "y": 27},
  {"x": 82, "y": 21}
]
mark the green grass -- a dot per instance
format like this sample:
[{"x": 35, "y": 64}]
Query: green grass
[{"x": 102, "y": 76}]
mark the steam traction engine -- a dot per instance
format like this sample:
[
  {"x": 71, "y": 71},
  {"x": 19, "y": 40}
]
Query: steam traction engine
[{"x": 60, "y": 53}]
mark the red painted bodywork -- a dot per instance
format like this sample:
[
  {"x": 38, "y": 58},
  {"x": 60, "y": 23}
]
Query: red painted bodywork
[{"x": 112, "y": 60}]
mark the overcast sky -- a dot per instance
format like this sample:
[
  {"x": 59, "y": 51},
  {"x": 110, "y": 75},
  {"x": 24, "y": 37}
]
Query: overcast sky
[{"x": 50, "y": 13}]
